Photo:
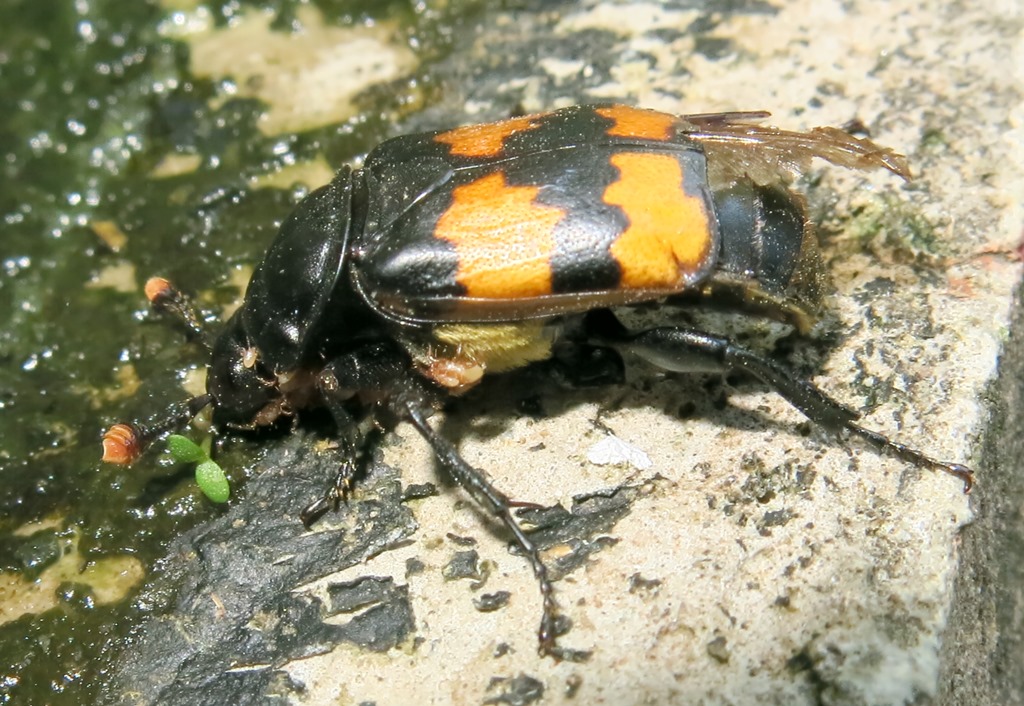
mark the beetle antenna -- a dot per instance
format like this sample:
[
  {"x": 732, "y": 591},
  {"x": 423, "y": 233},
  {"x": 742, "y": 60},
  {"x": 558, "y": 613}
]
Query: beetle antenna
[
  {"x": 124, "y": 443},
  {"x": 164, "y": 297}
]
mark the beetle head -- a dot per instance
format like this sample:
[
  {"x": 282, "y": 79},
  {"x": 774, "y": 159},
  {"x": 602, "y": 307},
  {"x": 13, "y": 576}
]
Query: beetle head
[
  {"x": 244, "y": 392},
  {"x": 245, "y": 395}
]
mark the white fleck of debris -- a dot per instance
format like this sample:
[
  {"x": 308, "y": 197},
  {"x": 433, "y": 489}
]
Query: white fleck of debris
[{"x": 611, "y": 450}]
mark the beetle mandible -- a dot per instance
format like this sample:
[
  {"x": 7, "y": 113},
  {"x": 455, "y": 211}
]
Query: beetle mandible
[{"x": 454, "y": 254}]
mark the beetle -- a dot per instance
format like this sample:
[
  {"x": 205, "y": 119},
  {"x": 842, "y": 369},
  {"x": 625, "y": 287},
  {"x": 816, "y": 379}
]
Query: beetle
[{"x": 454, "y": 254}]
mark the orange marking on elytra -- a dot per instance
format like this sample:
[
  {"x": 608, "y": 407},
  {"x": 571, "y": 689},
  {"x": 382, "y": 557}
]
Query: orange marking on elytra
[
  {"x": 639, "y": 123},
  {"x": 486, "y": 140},
  {"x": 503, "y": 239},
  {"x": 669, "y": 237}
]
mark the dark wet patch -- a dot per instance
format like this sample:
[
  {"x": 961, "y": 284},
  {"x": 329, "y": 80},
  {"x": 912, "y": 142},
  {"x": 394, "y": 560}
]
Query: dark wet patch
[
  {"x": 490, "y": 602},
  {"x": 230, "y": 592},
  {"x": 519, "y": 690},
  {"x": 578, "y": 534}
]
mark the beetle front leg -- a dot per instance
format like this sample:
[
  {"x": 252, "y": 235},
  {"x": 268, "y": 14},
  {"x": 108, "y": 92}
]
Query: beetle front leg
[
  {"x": 356, "y": 446},
  {"x": 687, "y": 350},
  {"x": 341, "y": 486},
  {"x": 371, "y": 372},
  {"x": 383, "y": 371}
]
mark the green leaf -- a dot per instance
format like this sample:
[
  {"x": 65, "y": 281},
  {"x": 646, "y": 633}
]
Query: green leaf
[
  {"x": 212, "y": 481},
  {"x": 184, "y": 450}
]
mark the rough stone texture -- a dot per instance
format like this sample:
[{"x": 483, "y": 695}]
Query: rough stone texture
[
  {"x": 983, "y": 647},
  {"x": 753, "y": 562},
  {"x": 235, "y": 597}
]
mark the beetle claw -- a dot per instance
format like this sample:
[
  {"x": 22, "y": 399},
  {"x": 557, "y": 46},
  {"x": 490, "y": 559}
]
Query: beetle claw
[
  {"x": 314, "y": 511},
  {"x": 337, "y": 493}
]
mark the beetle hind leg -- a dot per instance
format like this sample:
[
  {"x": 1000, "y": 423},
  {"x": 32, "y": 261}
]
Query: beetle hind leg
[{"x": 679, "y": 349}]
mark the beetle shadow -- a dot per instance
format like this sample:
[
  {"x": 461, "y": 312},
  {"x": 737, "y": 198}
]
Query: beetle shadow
[{"x": 549, "y": 389}]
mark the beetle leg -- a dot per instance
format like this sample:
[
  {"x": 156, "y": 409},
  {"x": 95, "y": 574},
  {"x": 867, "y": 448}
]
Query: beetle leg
[
  {"x": 341, "y": 486},
  {"x": 382, "y": 373},
  {"x": 372, "y": 373},
  {"x": 478, "y": 485},
  {"x": 580, "y": 365},
  {"x": 687, "y": 350},
  {"x": 335, "y": 395}
]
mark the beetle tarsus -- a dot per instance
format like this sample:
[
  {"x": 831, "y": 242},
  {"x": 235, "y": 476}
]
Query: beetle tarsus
[
  {"x": 965, "y": 474},
  {"x": 335, "y": 494},
  {"x": 317, "y": 509}
]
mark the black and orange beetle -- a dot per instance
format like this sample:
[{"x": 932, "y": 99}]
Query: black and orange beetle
[{"x": 453, "y": 254}]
